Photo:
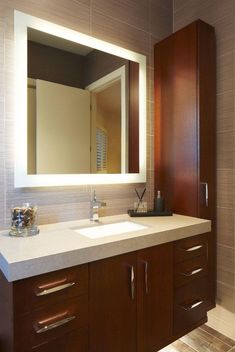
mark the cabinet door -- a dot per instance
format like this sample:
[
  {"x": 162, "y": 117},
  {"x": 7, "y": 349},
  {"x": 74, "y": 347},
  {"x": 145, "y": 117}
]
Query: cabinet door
[
  {"x": 113, "y": 304},
  {"x": 155, "y": 297}
]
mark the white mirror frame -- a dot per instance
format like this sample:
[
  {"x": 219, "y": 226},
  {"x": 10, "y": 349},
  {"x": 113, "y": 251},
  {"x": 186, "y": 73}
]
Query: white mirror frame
[{"x": 22, "y": 22}]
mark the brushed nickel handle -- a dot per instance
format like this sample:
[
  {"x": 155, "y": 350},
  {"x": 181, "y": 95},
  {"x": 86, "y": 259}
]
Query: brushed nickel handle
[
  {"x": 146, "y": 277},
  {"x": 192, "y": 249},
  {"x": 54, "y": 325},
  {"x": 193, "y": 272},
  {"x": 54, "y": 289},
  {"x": 132, "y": 283},
  {"x": 192, "y": 306},
  {"x": 206, "y": 192}
]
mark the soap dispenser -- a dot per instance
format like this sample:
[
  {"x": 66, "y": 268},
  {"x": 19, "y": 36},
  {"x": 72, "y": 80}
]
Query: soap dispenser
[{"x": 159, "y": 203}]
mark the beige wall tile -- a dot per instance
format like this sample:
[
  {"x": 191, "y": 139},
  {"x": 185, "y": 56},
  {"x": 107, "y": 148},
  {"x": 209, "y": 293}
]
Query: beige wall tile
[
  {"x": 133, "y": 12},
  {"x": 119, "y": 33},
  {"x": 225, "y": 111},
  {"x": 160, "y": 20},
  {"x": 225, "y": 189},
  {"x": 225, "y": 227},
  {"x": 225, "y": 150}
]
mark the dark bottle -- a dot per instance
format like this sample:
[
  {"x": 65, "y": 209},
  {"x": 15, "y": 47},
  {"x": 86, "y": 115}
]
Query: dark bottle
[{"x": 159, "y": 203}]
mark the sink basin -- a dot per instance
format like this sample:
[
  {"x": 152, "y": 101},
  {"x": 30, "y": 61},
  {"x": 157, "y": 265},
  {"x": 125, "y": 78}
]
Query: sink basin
[{"x": 110, "y": 229}]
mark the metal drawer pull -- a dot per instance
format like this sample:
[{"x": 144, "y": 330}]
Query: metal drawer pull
[
  {"x": 192, "y": 306},
  {"x": 132, "y": 283},
  {"x": 55, "y": 289},
  {"x": 191, "y": 273},
  {"x": 194, "y": 248},
  {"x": 146, "y": 277},
  {"x": 55, "y": 325}
]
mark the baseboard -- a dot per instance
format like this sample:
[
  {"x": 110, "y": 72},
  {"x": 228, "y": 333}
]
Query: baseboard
[{"x": 223, "y": 321}]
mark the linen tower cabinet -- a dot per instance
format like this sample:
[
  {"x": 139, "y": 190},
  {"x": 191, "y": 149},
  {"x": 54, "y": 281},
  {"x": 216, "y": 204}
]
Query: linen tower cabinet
[{"x": 185, "y": 163}]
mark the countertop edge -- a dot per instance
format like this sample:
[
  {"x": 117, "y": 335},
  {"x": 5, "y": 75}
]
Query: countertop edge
[{"x": 41, "y": 265}]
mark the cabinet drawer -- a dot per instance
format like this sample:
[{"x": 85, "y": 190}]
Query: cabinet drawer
[
  {"x": 190, "y": 304},
  {"x": 189, "y": 248},
  {"x": 50, "y": 288},
  {"x": 76, "y": 341},
  {"x": 48, "y": 323},
  {"x": 189, "y": 270}
]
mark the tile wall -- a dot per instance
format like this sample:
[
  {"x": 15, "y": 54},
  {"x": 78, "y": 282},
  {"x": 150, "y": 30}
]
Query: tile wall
[
  {"x": 132, "y": 24},
  {"x": 221, "y": 15}
]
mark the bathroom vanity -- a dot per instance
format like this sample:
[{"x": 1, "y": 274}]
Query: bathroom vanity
[{"x": 134, "y": 291}]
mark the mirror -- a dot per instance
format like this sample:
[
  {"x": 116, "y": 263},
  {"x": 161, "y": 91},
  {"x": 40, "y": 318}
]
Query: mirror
[{"x": 81, "y": 106}]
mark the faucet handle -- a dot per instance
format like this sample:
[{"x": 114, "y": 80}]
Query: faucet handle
[{"x": 94, "y": 195}]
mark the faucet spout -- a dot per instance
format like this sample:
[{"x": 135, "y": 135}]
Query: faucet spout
[{"x": 94, "y": 208}]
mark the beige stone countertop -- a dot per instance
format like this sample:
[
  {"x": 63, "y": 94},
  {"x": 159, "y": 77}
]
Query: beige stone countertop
[{"x": 58, "y": 246}]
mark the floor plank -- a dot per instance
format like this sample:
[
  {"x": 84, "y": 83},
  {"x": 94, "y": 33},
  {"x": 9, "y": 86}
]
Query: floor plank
[
  {"x": 177, "y": 346},
  {"x": 203, "y": 339},
  {"x": 220, "y": 336}
]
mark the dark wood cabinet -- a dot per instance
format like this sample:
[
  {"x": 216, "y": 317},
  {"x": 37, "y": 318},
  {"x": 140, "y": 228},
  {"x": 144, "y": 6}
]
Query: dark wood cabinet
[
  {"x": 131, "y": 301},
  {"x": 135, "y": 302},
  {"x": 185, "y": 120},
  {"x": 185, "y": 143},
  {"x": 45, "y": 311},
  {"x": 154, "y": 300},
  {"x": 191, "y": 283},
  {"x": 113, "y": 304}
]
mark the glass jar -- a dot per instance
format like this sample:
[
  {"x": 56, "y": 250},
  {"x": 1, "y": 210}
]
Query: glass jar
[{"x": 24, "y": 220}]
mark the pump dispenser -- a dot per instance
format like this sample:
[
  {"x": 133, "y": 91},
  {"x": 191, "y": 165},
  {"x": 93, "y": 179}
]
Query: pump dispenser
[{"x": 159, "y": 203}]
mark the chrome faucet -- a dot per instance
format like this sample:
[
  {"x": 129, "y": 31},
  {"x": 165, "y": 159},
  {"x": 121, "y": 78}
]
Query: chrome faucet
[{"x": 94, "y": 208}]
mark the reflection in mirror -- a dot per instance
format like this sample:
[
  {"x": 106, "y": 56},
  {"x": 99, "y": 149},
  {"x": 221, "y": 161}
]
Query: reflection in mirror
[
  {"x": 56, "y": 145},
  {"x": 79, "y": 104}
]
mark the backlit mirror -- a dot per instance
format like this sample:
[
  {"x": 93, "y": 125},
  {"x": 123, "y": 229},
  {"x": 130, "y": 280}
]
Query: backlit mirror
[{"x": 80, "y": 108}]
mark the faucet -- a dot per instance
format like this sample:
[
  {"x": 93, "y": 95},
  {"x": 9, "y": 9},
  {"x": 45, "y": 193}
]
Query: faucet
[{"x": 94, "y": 208}]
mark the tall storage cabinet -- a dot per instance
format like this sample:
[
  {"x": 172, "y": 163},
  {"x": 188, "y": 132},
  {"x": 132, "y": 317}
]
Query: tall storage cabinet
[{"x": 185, "y": 166}]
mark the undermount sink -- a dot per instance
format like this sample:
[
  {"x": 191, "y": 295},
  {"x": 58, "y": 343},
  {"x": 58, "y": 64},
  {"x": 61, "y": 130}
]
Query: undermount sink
[{"x": 117, "y": 228}]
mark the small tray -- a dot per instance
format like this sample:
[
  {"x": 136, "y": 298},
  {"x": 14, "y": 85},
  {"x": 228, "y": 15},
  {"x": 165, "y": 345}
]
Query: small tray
[{"x": 134, "y": 213}]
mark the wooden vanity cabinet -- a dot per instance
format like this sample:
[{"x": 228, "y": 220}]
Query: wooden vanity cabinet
[
  {"x": 191, "y": 283},
  {"x": 44, "y": 311},
  {"x": 131, "y": 301},
  {"x": 135, "y": 302}
]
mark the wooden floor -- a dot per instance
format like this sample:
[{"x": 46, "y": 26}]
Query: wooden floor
[{"x": 203, "y": 339}]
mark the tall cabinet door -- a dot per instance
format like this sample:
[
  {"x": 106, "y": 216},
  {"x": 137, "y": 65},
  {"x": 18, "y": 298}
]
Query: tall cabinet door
[
  {"x": 185, "y": 134},
  {"x": 185, "y": 120},
  {"x": 154, "y": 303},
  {"x": 113, "y": 304}
]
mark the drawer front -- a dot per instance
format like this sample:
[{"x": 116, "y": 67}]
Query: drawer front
[
  {"x": 76, "y": 341},
  {"x": 189, "y": 270},
  {"x": 46, "y": 289},
  {"x": 189, "y": 248},
  {"x": 48, "y": 323},
  {"x": 190, "y": 304}
]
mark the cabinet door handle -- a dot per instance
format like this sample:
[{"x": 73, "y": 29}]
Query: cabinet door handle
[
  {"x": 192, "y": 249},
  {"x": 206, "y": 193},
  {"x": 192, "y": 306},
  {"x": 54, "y": 289},
  {"x": 193, "y": 272},
  {"x": 54, "y": 325},
  {"x": 132, "y": 283},
  {"x": 146, "y": 277}
]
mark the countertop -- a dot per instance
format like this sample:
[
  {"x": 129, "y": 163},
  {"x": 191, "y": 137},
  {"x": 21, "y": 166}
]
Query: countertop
[{"x": 58, "y": 246}]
